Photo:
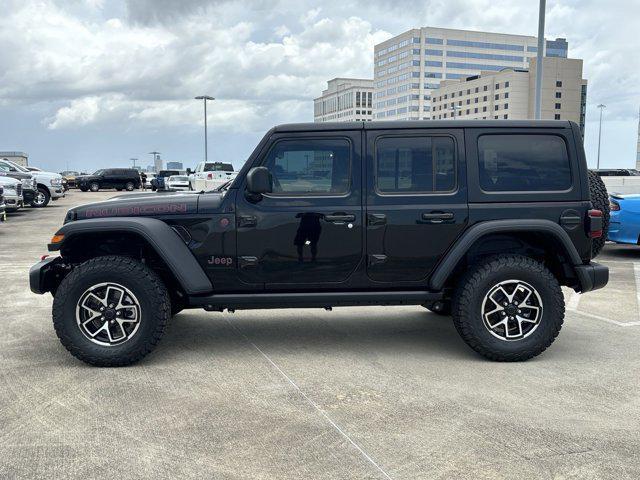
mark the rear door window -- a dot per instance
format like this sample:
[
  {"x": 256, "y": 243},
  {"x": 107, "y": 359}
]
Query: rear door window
[
  {"x": 415, "y": 164},
  {"x": 523, "y": 163}
]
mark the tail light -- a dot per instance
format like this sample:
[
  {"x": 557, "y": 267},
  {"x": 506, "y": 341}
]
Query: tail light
[
  {"x": 614, "y": 206},
  {"x": 210, "y": 176},
  {"x": 595, "y": 223}
]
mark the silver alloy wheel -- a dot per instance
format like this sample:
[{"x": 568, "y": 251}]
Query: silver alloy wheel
[
  {"x": 108, "y": 314},
  {"x": 94, "y": 187},
  {"x": 511, "y": 310},
  {"x": 40, "y": 198}
]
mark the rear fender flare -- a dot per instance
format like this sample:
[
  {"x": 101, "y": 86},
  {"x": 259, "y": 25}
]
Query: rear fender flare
[{"x": 479, "y": 230}]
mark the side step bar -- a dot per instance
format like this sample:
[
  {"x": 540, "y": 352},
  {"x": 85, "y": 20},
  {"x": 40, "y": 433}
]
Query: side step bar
[{"x": 241, "y": 301}]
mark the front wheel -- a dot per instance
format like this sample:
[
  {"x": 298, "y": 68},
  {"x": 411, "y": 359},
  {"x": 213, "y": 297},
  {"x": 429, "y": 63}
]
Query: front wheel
[
  {"x": 129, "y": 186},
  {"x": 94, "y": 187},
  {"x": 41, "y": 199},
  {"x": 508, "y": 308},
  {"x": 111, "y": 311}
]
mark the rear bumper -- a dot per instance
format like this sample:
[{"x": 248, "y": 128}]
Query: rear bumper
[{"x": 592, "y": 276}]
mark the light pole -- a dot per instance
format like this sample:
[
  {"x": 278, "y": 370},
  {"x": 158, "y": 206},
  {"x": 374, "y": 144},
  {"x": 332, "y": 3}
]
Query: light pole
[
  {"x": 204, "y": 99},
  {"x": 134, "y": 160},
  {"x": 538, "y": 97},
  {"x": 602, "y": 106}
]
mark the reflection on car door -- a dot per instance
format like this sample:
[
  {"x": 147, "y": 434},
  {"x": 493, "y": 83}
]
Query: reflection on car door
[{"x": 308, "y": 231}]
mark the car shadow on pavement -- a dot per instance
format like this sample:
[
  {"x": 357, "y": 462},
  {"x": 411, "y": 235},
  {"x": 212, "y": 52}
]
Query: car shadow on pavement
[
  {"x": 335, "y": 333},
  {"x": 620, "y": 252}
]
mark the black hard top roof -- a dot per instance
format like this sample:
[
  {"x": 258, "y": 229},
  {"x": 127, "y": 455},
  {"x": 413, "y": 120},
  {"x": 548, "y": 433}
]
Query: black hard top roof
[{"x": 417, "y": 124}]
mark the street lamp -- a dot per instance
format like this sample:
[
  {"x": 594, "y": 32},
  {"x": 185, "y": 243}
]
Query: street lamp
[
  {"x": 204, "y": 99},
  {"x": 134, "y": 160},
  {"x": 538, "y": 93},
  {"x": 602, "y": 106}
]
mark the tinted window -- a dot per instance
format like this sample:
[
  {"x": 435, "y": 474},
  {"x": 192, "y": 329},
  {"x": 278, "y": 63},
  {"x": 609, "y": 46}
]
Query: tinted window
[
  {"x": 218, "y": 167},
  {"x": 310, "y": 166},
  {"x": 523, "y": 163},
  {"x": 415, "y": 164}
]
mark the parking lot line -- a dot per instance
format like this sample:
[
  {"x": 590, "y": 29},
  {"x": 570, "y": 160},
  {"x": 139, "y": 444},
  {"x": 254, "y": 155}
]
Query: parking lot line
[
  {"x": 604, "y": 319},
  {"x": 310, "y": 401}
]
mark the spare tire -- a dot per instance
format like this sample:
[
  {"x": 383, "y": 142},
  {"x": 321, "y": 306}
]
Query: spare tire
[{"x": 599, "y": 201}]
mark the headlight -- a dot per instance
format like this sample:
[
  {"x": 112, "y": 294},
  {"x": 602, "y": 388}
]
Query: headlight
[
  {"x": 56, "y": 181},
  {"x": 10, "y": 187}
]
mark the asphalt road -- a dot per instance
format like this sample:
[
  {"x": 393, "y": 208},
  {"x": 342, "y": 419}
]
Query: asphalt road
[{"x": 350, "y": 394}]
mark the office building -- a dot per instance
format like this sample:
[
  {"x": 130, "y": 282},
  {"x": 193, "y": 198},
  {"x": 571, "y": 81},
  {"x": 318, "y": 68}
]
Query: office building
[
  {"x": 174, "y": 166},
  {"x": 345, "y": 100},
  {"x": 510, "y": 93},
  {"x": 157, "y": 163},
  {"x": 408, "y": 68},
  {"x": 20, "y": 158}
]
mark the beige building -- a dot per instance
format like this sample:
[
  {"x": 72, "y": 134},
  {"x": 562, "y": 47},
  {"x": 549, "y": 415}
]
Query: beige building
[
  {"x": 20, "y": 158},
  {"x": 510, "y": 93},
  {"x": 409, "y": 67},
  {"x": 345, "y": 100}
]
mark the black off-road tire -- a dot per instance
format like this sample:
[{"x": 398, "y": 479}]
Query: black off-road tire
[
  {"x": 600, "y": 201},
  {"x": 129, "y": 186},
  {"x": 441, "y": 307},
  {"x": 84, "y": 189},
  {"x": 144, "y": 283},
  {"x": 479, "y": 280}
]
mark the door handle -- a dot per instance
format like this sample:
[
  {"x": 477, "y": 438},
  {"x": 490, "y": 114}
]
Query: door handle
[
  {"x": 437, "y": 217},
  {"x": 247, "y": 221},
  {"x": 340, "y": 217}
]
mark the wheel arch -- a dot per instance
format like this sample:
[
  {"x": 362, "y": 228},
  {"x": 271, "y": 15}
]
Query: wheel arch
[
  {"x": 140, "y": 237},
  {"x": 540, "y": 239},
  {"x": 42, "y": 185}
]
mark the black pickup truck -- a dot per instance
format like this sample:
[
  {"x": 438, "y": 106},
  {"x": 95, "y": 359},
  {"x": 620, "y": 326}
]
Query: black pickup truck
[{"x": 480, "y": 220}]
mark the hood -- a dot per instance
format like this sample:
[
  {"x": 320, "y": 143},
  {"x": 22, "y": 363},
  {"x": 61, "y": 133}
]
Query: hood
[
  {"x": 5, "y": 180},
  {"x": 143, "y": 205}
]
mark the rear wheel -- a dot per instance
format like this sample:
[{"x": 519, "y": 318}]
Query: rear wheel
[
  {"x": 129, "y": 186},
  {"x": 508, "y": 308},
  {"x": 41, "y": 199},
  {"x": 111, "y": 311},
  {"x": 94, "y": 187},
  {"x": 600, "y": 201}
]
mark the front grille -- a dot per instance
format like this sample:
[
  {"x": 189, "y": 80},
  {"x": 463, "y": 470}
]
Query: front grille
[{"x": 19, "y": 189}]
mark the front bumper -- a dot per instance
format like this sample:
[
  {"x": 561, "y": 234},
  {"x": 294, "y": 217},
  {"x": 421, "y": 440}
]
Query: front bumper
[
  {"x": 13, "y": 202},
  {"x": 46, "y": 275},
  {"x": 592, "y": 276},
  {"x": 56, "y": 192}
]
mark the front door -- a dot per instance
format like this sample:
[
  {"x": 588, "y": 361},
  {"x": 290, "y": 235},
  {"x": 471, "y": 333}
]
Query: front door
[
  {"x": 416, "y": 201},
  {"x": 308, "y": 231}
]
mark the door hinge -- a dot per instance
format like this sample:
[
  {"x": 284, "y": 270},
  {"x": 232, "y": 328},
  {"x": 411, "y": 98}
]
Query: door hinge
[{"x": 247, "y": 221}]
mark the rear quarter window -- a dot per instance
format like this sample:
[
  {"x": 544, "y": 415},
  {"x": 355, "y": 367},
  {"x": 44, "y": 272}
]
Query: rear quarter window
[{"x": 523, "y": 163}]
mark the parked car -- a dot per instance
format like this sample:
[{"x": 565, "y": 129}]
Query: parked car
[
  {"x": 210, "y": 175},
  {"x": 482, "y": 220},
  {"x": 158, "y": 183},
  {"x": 49, "y": 184},
  {"x": 70, "y": 177},
  {"x": 3, "y": 206},
  {"x": 27, "y": 180},
  {"x": 617, "y": 172},
  {"x": 12, "y": 193},
  {"x": 119, "y": 178},
  {"x": 624, "y": 226},
  {"x": 176, "y": 183}
]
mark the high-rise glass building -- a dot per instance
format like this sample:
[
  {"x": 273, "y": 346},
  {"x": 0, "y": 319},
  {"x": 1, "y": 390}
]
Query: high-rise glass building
[{"x": 408, "y": 68}]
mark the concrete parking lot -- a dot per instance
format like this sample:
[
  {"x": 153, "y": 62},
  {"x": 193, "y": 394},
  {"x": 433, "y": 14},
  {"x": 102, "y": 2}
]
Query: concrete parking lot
[{"x": 354, "y": 393}]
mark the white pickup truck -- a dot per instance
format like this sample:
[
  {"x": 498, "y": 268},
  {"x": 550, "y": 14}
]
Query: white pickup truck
[{"x": 210, "y": 175}]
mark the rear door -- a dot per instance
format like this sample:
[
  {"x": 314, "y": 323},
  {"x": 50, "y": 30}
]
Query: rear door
[{"x": 416, "y": 201}]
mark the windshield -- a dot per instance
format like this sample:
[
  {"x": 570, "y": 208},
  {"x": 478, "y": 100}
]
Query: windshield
[{"x": 20, "y": 168}]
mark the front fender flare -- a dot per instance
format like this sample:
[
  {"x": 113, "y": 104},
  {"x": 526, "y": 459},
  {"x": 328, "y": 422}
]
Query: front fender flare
[
  {"x": 158, "y": 235},
  {"x": 479, "y": 230}
]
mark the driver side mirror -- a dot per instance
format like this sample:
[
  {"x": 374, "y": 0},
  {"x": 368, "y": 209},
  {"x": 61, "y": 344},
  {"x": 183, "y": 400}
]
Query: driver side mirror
[
  {"x": 259, "y": 181},
  {"x": 189, "y": 172}
]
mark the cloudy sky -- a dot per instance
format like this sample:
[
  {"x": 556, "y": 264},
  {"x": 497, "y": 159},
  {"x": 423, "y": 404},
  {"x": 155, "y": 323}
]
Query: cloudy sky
[{"x": 93, "y": 83}]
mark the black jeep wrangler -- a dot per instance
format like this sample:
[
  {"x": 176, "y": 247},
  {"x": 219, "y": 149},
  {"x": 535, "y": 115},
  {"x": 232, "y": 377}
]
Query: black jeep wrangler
[{"x": 482, "y": 220}]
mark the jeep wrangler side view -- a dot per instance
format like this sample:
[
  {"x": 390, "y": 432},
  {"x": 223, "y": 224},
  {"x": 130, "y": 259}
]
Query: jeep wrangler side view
[{"x": 482, "y": 220}]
